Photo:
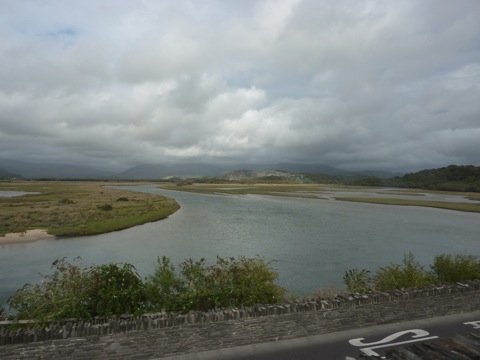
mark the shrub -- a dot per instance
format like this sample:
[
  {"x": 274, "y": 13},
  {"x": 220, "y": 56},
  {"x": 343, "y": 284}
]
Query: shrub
[
  {"x": 56, "y": 297},
  {"x": 114, "y": 289},
  {"x": 75, "y": 292},
  {"x": 395, "y": 276},
  {"x": 229, "y": 283},
  {"x": 453, "y": 268},
  {"x": 66, "y": 201},
  {"x": 164, "y": 287},
  {"x": 106, "y": 207},
  {"x": 357, "y": 281},
  {"x": 122, "y": 199}
]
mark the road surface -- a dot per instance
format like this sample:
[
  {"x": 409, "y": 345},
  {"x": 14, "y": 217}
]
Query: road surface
[{"x": 371, "y": 341}]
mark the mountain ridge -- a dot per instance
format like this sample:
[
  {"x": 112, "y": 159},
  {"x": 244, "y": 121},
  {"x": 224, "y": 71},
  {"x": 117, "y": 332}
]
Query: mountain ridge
[{"x": 162, "y": 171}]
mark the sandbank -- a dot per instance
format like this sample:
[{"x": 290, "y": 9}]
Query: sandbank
[{"x": 25, "y": 237}]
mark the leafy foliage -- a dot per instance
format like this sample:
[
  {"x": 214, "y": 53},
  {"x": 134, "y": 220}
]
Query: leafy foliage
[
  {"x": 76, "y": 292},
  {"x": 453, "y": 268},
  {"x": 409, "y": 274},
  {"x": 112, "y": 289},
  {"x": 164, "y": 287},
  {"x": 446, "y": 268},
  {"x": 228, "y": 283},
  {"x": 357, "y": 281}
]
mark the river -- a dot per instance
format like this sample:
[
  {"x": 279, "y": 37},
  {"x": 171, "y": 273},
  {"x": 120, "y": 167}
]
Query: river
[{"x": 312, "y": 241}]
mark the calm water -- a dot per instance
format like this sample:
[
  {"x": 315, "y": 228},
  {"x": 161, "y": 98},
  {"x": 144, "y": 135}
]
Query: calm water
[
  {"x": 312, "y": 241},
  {"x": 15, "y": 193}
]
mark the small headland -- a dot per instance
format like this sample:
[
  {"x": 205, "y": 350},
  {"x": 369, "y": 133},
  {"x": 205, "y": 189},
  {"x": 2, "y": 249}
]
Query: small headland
[{"x": 74, "y": 208}]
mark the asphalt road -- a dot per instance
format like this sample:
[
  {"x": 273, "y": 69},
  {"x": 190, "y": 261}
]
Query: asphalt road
[{"x": 373, "y": 340}]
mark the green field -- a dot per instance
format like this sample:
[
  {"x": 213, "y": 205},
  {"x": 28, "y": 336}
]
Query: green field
[{"x": 71, "y": 208}]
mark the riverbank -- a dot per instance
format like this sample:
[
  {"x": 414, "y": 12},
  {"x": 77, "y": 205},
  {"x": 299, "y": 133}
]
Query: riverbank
[
  {"x": 467, "y": 202},
  {"x": 25, "y": 237},
  {"x": 76, "y": 208}
]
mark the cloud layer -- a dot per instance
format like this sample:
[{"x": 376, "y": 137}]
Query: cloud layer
[{"x": 358, "y": 84}]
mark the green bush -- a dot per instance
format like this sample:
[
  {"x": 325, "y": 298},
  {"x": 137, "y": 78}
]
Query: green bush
[
  {"x": 164, "y": 287},
  {"x": 453, "y": 268},
  {"x": 76, "y": 292},
  {"x": 106, "y": 207},
  {"x": 114, "y": 289},
  {"x": 228, "y": 283},
  {"x": 357, "y": 281},
  {"x": 57, "y": 296},
  {"x": 66, "y": 201},
  {"x": 395, "y": 276},
  {"x": 108, "y": 290}
]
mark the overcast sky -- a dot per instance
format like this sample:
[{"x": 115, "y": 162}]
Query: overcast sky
[{"x": 386, "y": 85}]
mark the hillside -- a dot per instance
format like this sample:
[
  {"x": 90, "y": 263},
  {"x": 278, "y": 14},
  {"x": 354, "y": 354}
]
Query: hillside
[
  {"x": 261, "y": 175},
  {"x": 4, "y": 174},
  {"x": 450, "y": 178}
]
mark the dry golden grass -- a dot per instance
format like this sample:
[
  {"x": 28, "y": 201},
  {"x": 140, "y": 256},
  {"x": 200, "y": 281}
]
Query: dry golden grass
[{"x": 74, "y": 208}]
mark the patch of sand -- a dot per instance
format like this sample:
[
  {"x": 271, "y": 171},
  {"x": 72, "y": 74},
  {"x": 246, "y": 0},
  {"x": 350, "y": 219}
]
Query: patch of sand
[{"x": 25, "y": 237}]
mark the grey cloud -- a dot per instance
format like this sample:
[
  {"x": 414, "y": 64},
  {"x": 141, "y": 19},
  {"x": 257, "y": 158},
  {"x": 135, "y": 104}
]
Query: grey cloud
[{"x": 359, "y": 84}]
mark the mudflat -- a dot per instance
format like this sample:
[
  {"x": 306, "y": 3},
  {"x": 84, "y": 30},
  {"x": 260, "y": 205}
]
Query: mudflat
[{"x": 25, "y": 237}]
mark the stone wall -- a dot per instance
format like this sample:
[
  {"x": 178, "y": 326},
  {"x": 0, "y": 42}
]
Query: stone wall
[{"x": 306, "y": 317}]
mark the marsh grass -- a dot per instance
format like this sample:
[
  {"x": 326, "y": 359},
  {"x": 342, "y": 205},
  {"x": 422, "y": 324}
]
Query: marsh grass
[
  {"x": 292, "y": 190},
  {"x": 67, "y": 208},
  {"x": 316, "y": 192},
  {"x": 407, "y": 202}
]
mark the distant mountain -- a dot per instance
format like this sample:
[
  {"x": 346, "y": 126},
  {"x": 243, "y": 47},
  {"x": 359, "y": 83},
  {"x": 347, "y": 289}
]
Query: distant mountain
[
  {"x": 239, "y": 175},
  {"x": 310, "y": 168},
  {"x": 4, "y": 174},
  {"x": 52, "y": 171},
  {"x": 378, "y": 174},
  {"x": 294, "y": 168},
  {"x": 160, "y": 171},
  {"x": 198, "y": 170}
]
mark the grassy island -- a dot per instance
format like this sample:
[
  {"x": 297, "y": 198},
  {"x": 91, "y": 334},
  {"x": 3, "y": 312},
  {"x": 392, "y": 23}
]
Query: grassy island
[
  {"x": 408, "y": 202},
  {"x": 77, "y": 208}
]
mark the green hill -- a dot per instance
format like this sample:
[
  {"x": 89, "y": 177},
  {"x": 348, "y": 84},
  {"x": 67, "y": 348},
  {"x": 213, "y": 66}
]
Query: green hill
[{"x": 450, "y": 178}]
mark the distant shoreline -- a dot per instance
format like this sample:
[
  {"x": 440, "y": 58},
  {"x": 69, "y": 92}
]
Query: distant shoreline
[{"x": 25, "y": 237}]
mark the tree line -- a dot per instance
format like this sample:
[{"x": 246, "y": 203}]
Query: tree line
[{"x": 450, "y": 178}]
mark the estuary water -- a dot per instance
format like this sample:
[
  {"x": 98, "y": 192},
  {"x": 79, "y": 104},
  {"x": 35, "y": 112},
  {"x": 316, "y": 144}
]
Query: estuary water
[{"x": 312, "y": 241}]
